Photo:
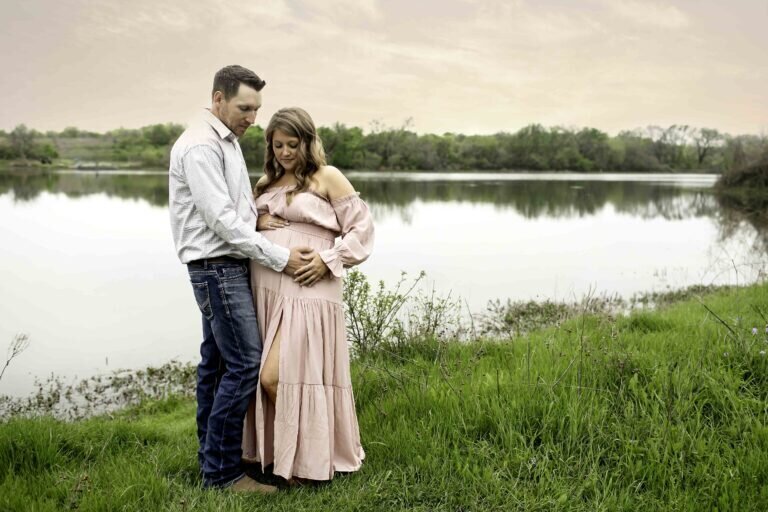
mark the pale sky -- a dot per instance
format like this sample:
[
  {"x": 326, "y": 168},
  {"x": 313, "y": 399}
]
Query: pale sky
[{"x": 454, "y": 65}]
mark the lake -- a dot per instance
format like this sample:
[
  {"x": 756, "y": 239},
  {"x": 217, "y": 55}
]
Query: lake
[{"x": 93, "y": 278}]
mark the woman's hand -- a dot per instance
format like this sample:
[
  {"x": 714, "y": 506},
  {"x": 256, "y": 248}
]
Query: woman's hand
[
  {"x": 267, "y": 221},
  {"x": 312, "y": 272}
]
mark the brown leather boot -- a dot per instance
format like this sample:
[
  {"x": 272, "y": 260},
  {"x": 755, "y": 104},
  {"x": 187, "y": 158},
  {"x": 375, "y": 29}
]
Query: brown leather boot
[{"x": 248, "y": 484}]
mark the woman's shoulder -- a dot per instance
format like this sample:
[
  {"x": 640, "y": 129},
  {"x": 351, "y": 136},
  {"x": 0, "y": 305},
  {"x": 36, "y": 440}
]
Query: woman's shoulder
[
  {"x": 262, "y": 180},
  {"x": 328, "y": 174},
  {"x": 332, "y": 182}
]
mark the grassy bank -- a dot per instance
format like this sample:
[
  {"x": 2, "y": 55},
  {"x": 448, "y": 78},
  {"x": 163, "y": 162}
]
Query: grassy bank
[
  {"x": 663, "y": 410},
  {"x": 752, "y": 177}
]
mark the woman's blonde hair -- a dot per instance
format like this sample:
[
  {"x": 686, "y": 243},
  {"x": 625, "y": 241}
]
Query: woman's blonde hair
[{"x": 310, "y": 156}]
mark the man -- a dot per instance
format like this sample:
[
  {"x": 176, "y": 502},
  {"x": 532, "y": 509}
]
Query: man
[{"x": 213, "y": 221}]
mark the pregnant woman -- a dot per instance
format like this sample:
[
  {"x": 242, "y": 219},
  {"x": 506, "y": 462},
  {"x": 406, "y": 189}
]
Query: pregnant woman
[{"x": 303, "y": 417}]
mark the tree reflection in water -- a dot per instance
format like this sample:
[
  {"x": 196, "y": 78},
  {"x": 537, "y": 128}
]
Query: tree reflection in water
[
  {"x": 744, "y": 208},
  {"x": 531, "y": 199}
]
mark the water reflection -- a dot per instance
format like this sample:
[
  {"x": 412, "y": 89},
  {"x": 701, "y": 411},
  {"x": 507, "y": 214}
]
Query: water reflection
[
  {"x": 532, "y": 196},
  {"x": 553, "y": 199},
  {"x": 393, "y": 195},
  {"x": 739, "y": 209},
  {"x": 150, "y": 187}
]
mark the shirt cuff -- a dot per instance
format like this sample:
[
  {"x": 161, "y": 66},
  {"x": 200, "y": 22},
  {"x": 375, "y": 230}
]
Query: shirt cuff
[{"x": 281, "y": 258}]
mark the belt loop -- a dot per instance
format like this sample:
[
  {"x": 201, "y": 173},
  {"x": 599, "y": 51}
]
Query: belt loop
[{"x": 205, "y": 263}]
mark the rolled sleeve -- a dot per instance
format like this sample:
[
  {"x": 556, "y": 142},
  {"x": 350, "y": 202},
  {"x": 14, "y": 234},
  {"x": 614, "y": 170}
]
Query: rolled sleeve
[
  {"x": 204, "y": 170},
  {"x": 357, "y": 235}
]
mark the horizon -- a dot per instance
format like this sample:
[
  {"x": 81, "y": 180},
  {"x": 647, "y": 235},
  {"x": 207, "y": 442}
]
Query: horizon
[
  {"x": 453, "y": 67},
  {"x": 368, "y": 131}
]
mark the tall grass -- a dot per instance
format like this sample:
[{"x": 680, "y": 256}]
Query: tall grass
[{"x": 657, "y": 410}]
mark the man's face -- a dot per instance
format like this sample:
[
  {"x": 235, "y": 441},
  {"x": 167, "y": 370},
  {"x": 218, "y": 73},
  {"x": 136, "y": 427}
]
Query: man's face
[{"x": 239, "y": 112}]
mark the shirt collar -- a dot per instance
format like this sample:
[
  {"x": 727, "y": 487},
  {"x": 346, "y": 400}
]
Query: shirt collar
[{"x": 216, "y": 124}]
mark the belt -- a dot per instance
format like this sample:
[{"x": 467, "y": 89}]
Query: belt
[{"x": 218, "y": 259}]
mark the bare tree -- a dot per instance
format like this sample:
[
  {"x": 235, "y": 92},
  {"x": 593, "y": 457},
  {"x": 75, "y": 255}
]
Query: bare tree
[
  {"x": 669, "y": 144},
  {"x": 706, "y": 140}
]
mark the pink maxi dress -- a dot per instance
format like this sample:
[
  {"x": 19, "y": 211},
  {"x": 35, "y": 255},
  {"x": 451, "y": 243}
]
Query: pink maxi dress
[{"x": 312, "y": 431}]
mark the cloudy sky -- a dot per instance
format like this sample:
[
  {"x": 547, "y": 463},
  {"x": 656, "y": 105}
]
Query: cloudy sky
[{"x": 453, "y": 65}]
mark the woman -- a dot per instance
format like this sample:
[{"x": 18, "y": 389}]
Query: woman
[{"x": 303, "y": 418}]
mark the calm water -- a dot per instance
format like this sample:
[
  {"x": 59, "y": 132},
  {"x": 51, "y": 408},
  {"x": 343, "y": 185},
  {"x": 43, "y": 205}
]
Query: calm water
[{"x": 92, "y": 276}]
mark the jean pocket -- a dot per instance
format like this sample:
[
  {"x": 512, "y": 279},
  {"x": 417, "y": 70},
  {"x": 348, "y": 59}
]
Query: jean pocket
[
  {"x": 232, "y": 272},
  {"x": 203, "y": 299}
]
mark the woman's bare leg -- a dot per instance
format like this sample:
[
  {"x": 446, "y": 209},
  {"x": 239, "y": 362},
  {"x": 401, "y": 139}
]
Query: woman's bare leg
[
  {"x": 270, "y": 372},
  {"x": 270, "y": 375}
]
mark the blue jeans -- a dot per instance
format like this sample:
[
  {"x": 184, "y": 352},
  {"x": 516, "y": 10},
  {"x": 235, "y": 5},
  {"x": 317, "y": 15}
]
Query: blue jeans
[{"x": 228, "y": 373}]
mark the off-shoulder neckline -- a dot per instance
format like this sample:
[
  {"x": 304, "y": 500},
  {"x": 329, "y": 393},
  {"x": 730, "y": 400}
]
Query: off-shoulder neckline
[{"x": 312, "y": 192}]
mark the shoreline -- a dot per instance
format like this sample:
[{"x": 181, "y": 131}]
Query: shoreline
[
  {"x": 74, "y": 397},
  {"x": 658, "y": 410},
  {"x": 108, "y": 166}
]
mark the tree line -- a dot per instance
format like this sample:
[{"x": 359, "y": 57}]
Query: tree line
[{"x": 533, "y": 148}]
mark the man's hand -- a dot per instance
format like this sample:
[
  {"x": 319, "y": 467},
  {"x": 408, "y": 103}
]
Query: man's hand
[
  {"x": 296, "y": 259},
  {"x": 267, "y": 221},
  {"x": 312, "y": 272}
]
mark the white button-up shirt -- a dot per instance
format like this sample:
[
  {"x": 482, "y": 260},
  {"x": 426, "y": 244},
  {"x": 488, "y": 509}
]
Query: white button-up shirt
[{"x": 210, "y": 199}]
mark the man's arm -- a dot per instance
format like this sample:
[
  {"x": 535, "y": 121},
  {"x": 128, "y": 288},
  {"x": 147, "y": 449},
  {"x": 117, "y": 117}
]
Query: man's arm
[{"x": 204, "y": 171}]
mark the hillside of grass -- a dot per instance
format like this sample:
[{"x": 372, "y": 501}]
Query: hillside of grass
[{"x": 658, "y": 410}]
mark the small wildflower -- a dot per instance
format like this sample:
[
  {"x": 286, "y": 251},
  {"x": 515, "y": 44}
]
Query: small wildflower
[
  {"x": 754, "y": 331},
  {"x": 725, "y": 354},
  {"x": 762, "y": 353}
]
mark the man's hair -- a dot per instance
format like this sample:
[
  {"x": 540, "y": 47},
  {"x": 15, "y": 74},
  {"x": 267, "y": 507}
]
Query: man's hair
[{"x": 229, "y": 78}]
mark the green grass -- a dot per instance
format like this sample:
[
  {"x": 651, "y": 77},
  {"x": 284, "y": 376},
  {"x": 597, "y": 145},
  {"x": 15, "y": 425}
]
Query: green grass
[{"x": 657, "y": 411}]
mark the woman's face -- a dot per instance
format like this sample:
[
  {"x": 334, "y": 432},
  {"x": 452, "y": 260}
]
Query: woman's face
[{"x": 286, "y": 148}]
